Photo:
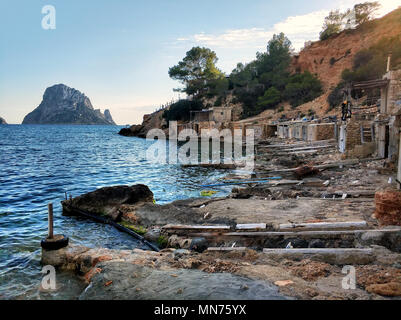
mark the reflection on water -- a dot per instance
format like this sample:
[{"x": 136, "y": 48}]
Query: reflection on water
[{"x": 38, "y": 164}]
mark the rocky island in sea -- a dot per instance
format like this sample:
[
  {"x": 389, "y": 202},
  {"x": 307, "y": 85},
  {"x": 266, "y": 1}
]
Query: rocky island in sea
[
  {"x": 64, "y": 105},
  {"x": 2, "y": 121}
]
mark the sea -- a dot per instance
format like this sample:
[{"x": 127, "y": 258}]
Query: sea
[{"x": 40, "y": 163}]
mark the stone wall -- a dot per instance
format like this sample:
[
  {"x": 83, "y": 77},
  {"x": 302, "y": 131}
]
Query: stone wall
[
  {"x": 221, "y": 114},
  {"x": 321, "y": 131},
  {"x": 394, "y": 92},
  {"x": 353, "y": 134}
]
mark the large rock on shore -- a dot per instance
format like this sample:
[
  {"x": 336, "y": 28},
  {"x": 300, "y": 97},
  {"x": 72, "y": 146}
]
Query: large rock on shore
[
  {"x": 134, "y": 131},
  {"x": 113, "y": 202},
  {"x": 2, "y": 121},
  {"x": 150, "y": 121},
  {"x": 64, "y": 105}
]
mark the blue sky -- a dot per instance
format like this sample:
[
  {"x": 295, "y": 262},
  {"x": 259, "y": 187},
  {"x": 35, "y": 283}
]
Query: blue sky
[{"x": 118, "y": 52}]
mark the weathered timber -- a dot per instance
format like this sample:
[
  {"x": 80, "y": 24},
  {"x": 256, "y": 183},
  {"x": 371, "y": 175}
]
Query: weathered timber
[
  {"x": 226, "y": 249},
  {"x": 251, "y": 226},
  {"x": 186, "y": 229},
  {"x": 353, "y": 225}
]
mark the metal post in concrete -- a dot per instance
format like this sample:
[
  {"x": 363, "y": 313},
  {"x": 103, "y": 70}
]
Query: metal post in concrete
[
  {"x": 50, "y": 220},
  {"x": 389, "y": 61}
]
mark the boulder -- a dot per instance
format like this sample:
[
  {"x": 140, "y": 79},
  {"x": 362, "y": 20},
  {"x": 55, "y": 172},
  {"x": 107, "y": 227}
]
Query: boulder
[
  {"x": 133, "y": 131},
  {"x": 108, "y": 201}
]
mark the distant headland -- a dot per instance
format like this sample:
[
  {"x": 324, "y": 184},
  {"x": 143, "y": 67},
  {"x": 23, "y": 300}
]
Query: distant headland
[{"x": 64, "y": 105}]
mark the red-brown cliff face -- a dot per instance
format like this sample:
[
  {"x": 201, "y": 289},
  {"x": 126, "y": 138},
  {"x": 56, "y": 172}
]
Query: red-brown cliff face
[{"x": 327, "y": 59}]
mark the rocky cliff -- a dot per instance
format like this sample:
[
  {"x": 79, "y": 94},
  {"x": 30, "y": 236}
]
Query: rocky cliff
[
  {"x": 327, "y": 59},
  {"x": 2, "y": 121},
  {"x": 64, "y": 105}
]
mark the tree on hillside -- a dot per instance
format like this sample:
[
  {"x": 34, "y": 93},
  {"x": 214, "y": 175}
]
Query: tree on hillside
[
  {"x": 365, "y": 11},
  {"x": 337, "y": 21},
  {"x": 196, "y": 70},
  {"x": 302, "y": 88},
  {"x": 272, "y": 66},
  {"x": 333, "y": 24},
  {"x": 242, "y": 75},
  {"x": 270, "y": 99}
]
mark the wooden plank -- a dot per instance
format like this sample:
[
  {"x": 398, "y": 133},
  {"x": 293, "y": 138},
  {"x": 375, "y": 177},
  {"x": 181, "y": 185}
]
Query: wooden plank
[
  {"x": 188, "y": 227},
  {"x": 187, "y": 230},
  {"x": 320, "y": 251},
  {"x": 324, "y": 226},
  {"x": 296, "y": 234},
  {"x": 327, "y": 166},
  {"x": 226, "y": 249},
  {"x": 251, "y": 226},
  {"x": 306, "y": 148}
]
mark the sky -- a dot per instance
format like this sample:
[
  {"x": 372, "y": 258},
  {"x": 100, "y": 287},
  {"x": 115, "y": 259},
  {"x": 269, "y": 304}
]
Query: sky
[{"x": 118, "y": 52}]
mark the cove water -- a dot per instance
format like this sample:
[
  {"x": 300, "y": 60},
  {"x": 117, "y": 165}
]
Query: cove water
[{"x": 39, "y": 163}]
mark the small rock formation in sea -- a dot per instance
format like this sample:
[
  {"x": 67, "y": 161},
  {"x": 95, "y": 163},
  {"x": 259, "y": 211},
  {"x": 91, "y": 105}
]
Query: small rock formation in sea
[
  {"x": 150, "y": 121},
  {"x": 64, "y": 105},
  {"x": 2, "y": 121}
]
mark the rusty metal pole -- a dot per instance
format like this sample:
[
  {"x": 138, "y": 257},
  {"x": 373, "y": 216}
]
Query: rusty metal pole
[
  {"x": 50, "y": 220},
  {"x": 389, "y": 61}
]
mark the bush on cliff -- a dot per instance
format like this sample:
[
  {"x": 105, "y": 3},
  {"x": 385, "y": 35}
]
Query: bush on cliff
[
  {"x": 336, "y": 96},
  {"x": 270, "y": 99},
  {"x": 338, "y": 21},
  {"x": 302, "y": 88},
  {"x": 371, "y": 63}
]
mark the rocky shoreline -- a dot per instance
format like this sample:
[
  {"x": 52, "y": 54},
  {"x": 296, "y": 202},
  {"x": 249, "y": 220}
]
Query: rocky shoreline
[{"x": 273, "y": 239}]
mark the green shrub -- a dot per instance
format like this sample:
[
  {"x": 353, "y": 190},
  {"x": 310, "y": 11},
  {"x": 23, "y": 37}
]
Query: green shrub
[
  {"x": 371, "y": 63},
  {"x": 302, "y": 88},
  {"x": 269, "y": 100},
  {"x": 219, "y": 101},
  {"x": 335, "y": 97}
]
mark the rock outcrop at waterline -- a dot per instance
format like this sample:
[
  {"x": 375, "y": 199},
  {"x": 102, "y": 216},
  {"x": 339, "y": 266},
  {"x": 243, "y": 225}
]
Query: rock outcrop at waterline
[
  {"x": 150, "y": 121},
  {"x": 133, "y": 131},
  {"x": 64, "y": 105},
  {"x": 2, "y": 121},
  {"x": 111, "y": 202}
]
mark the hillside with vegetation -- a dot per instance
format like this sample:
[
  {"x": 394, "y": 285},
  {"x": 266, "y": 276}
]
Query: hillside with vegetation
[{"x": 280, "y": 83}]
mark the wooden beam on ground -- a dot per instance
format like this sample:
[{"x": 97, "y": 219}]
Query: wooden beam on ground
[
  {"x": 325, "y": 234},
  {"x": 186, "y": 229},
  {"x": 319, "y": 250},
  {"x": 326, "y": 166},
  {"x": 350, "y": 225},
  {"x": 251, "y": 226},
  {"x": 226, "y": 249}
]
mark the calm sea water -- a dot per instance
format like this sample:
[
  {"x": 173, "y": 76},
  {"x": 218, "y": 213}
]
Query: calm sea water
[{"x": 38, "y": 163}]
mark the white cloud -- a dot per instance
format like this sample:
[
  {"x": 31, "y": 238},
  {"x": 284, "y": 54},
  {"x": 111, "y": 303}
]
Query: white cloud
[{"x": 298, "y": 29}]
